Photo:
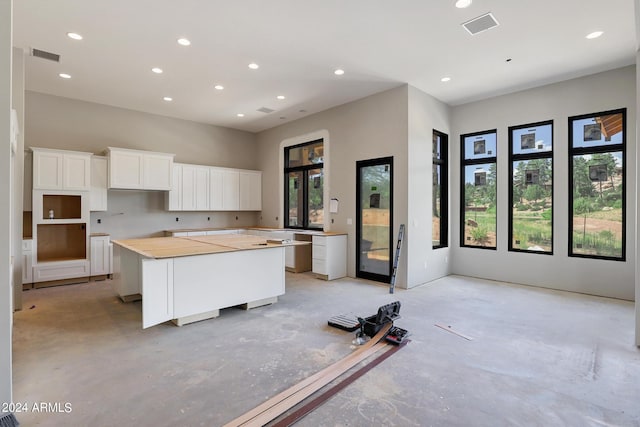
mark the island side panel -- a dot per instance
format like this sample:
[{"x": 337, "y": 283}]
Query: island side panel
[
  {"x": 126, "y": 274},
  {"x": 157, "y": 291},
  {"x": 204, "y": 283}
]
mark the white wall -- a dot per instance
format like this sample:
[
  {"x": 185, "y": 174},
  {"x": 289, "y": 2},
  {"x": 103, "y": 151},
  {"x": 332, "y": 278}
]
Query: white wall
[
  {"x": 599, "y": 92},
  {"x": 63, "y": 123},
  {"x": 424, "y": 264},
  {"x": 6, "y": 314},
  {"x": 369, "y": 128}
]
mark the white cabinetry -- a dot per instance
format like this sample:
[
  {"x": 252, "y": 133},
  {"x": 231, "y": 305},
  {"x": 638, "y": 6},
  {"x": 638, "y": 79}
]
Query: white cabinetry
[
  {"x": 27, "y": 262},
  {"x": 250, "y": 190},
  {"x": 224, "y": 189},
  {"x": 98, "y": 192},
  {"x": 139, "y": 170},
  {"x": 329, "y": 254},
  {"x": 195, "y": 188},
  {"x": 101, "y": 255},
  {"x": 61, "y": 170}
]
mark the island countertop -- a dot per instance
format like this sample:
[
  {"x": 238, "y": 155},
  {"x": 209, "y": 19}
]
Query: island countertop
[{"x": 171, "y": 247}]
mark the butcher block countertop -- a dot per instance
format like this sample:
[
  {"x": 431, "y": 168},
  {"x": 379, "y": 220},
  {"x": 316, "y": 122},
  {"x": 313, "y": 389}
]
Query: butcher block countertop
[{"x": 171, "y": 247}]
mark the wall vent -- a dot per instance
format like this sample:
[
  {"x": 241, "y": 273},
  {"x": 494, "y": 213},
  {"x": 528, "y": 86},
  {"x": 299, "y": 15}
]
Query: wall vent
[
  {"x": 266, "y": 110},
  {"x": 480, "y": 24},
  {"x": 45, "y": 55}
]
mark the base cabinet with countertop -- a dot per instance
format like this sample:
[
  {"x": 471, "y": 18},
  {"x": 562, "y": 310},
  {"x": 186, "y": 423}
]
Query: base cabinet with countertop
[
  {"x": 101, "y": 255},
  {"x": 329, "y": 256},
  {"x": 191, "y": 278}
]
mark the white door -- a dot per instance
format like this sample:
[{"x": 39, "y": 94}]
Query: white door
[
  {"x": 47, "y": 170},
  {"x": 76, "y": 169},
  {"x": 158, "y": 169},
  {"x": 231, "y": 190}
]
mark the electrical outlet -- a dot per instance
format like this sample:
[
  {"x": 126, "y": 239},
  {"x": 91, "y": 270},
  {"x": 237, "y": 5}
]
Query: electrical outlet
[
  {"x": 208, "y": 218},
  {"x": 236, "y": 218},
  {"x": 99, "y": 221},
  {"x": 177, "y": 219}
]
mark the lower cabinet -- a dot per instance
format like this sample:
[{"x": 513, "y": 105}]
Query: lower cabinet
[
  {"x": 329, "y": 254},
  {"x": 27, "y": 262},
  {"x": 101, "y": 256}
]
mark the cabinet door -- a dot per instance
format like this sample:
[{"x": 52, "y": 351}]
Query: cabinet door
[
  {"x": 250, "y": 190},
  {"x": 100, "y": 255},
  {"x": 47, "y": 170},
  {"x": 157, "y": 171},
  {"x": 195, "y": 188},
  {"x": 215, "y": 189},
  {"x": 230, "y": 190},
  {"x": 125, "y": 169},
  {"x": 157, "y": 291},
  {"x": 76, "y": 170},
  {"x": 174, "y": 196},
  {"x": 27, "y": 267},
  {"x": 98, "y": 191}
]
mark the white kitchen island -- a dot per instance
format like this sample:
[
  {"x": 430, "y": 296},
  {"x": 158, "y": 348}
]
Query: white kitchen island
[{"x": 188, "y": 279}]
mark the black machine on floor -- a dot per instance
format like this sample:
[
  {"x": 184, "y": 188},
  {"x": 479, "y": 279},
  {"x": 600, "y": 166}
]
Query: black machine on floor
[{"x": 369, "y": 326}]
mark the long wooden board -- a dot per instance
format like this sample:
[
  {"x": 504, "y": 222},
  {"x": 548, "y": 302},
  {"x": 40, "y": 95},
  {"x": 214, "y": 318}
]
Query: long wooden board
[{"x": 285, "y": 400}]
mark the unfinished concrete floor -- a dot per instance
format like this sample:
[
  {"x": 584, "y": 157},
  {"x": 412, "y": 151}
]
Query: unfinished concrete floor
[{"x": 538, "y": 357}]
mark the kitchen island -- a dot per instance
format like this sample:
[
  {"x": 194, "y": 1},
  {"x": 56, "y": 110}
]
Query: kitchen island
[{"x": 188, "y": 279}]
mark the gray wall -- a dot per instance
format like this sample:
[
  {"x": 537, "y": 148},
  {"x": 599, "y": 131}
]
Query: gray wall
[
  {"x": 17, "y": 103},
  {"x": 62, "y": 123},
  {"x": 599, "y": 92},
  {"x": 369, "y": 128},
  {"x": 6, "y": 315},
  {"x": 424, "y": 264}
]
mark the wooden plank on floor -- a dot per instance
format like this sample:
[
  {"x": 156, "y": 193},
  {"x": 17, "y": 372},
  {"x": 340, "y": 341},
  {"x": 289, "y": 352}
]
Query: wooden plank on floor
[{"x": 256, "y": 415}]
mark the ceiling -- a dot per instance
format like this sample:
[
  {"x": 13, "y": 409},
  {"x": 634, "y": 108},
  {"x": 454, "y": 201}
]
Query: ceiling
[{"x": 299, "y": 43}]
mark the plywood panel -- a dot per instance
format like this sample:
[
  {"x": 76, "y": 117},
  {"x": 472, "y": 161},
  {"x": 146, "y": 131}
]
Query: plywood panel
[{"x": 58, "y": 242}]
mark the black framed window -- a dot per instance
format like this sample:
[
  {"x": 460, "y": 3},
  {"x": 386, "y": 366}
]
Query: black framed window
[
  {"x": 479, "y": 179},
  {"x": 440, "y": 190},
  {"x": 304, "y": 186},
  {"x": 531, "y": 188},
  {"x": 597, "y": 219}
]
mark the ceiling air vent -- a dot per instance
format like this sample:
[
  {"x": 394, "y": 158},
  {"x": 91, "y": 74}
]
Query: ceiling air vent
[
  {"x": 480, "y": 24},
  {"x": 45, "y": 55},
  {"x": 266, "y": 110}
]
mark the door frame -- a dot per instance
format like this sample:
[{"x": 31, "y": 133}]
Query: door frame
[{"x": 360, "y": 164}]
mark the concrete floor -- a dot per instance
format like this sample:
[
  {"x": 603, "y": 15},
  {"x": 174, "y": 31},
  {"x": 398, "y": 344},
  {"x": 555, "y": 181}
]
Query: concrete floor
[{"x": 537, "y": 357}]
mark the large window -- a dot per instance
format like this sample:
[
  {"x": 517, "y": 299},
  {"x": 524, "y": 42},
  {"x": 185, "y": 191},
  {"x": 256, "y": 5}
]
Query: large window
[
  {"x": 304, "y": 184},
  {"x": 478, "y": 205},
  {"x": 531, "y": 188},
  {"x": 597, "y": 188},
  {"x": 439, "y": 196}
]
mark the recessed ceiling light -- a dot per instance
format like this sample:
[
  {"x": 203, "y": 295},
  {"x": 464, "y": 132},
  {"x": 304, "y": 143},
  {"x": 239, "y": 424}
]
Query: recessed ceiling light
[
  {"x": 338, "y": 72},
  {"x": 168, "y": 98},
  {"x": 218, "y": 87},
  {"x": 240, "y": 115},
  {"x": 280, "y": 96},
  {"x": 74, "y": 36},
  {"x": 445, "y": 79},
  {"x": 254, "y": 66},
  {"x": 65, "y": 75},
  {"x": 184, "y": 42},
  {"x": 461, "y": 4},
  {"x": 594, "y": 35},
  {"x": 157, "y": 70}
]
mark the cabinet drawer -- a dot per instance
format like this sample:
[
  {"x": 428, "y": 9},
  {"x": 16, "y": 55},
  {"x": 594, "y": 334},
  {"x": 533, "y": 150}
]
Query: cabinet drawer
[
  {"x": 320, "y": 266},
  {"x": 319, "y": 252},
  {"x": 319, "y": 240}
]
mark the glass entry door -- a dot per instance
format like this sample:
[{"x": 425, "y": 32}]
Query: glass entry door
[{"x": 374, "y": 232}]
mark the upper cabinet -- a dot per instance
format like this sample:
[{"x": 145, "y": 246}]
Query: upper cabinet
[
  {"x": 98, "y": 193},
  {"x": 61, "y": 170},
  {"x": 139, "y": 170},
  {"x": 250, "y": 190},
  {"x": 208, "y": 188}
]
